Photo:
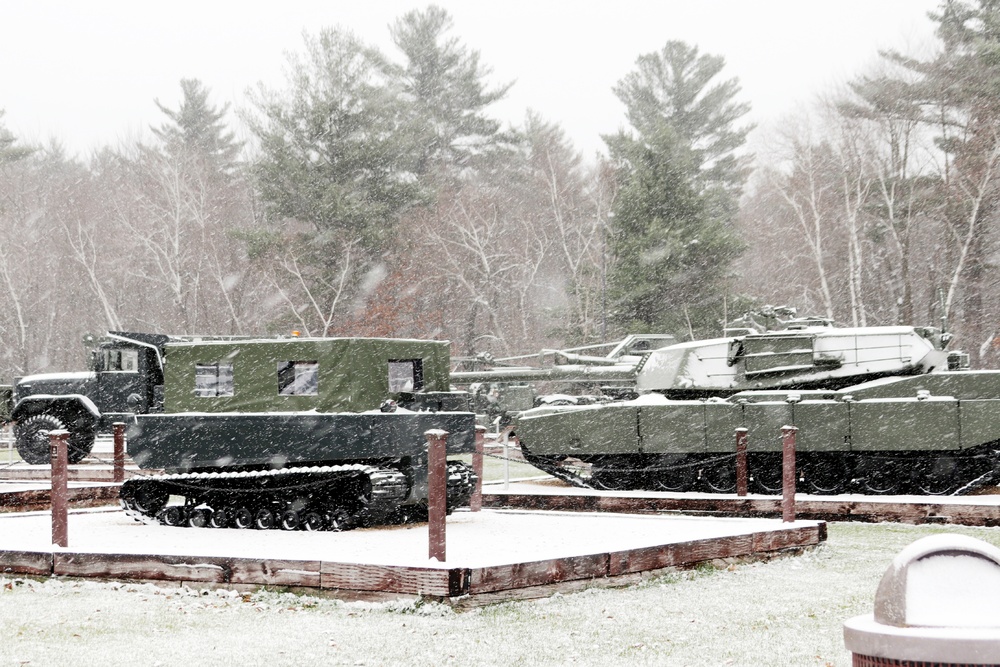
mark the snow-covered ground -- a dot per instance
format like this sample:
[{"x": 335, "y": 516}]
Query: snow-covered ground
[
  {"x": 490, "y": 537},
  {"x": 785, "y": 612}
]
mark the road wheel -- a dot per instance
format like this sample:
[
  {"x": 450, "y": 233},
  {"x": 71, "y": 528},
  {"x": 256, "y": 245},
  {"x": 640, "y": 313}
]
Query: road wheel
[
  {"x": 242, "y": 518},
  {"x": 826, "y": 474},
  {"x": 264, "y": 519},
  {"x": 720, "y": 477},
  {"x": 939, "y": 475},
  {"x": 766, "y": 474},
  {"x": 32, "y": 438}
]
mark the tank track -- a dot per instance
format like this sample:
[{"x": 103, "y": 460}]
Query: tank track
[
  {"x": 947, "y": 473},
  {"x": 336, "y": 498}
]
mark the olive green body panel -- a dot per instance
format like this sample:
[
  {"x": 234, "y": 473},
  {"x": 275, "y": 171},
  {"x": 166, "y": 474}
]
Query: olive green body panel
[
  {"x": 677, "y": 428},
  {"x": 906, "y": 425},
  {"x": 195, "y": 441},
  {"x": 352, "y": 373},
  {"x": 721, "y": 422},
  {"x": 979, "y": 421},
  {"x": 609, "y": 429}
]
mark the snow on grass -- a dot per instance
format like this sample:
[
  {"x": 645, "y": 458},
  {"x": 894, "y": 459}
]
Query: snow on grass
[{"x": 789, "y": 611}]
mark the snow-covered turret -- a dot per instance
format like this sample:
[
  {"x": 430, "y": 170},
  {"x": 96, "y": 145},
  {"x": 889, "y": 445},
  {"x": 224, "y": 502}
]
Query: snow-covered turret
[{"x": 801, "y": 356}]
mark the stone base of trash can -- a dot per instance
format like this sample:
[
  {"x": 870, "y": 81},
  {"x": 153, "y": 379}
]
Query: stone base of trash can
[
  {"x": 869, "y": 661},
  {"x": 876, "y": 645}
]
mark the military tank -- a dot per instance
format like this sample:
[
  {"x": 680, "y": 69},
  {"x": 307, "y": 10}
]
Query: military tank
[
  {"x": 297, "y": 433},
  {"x": 879, "y": 410}
]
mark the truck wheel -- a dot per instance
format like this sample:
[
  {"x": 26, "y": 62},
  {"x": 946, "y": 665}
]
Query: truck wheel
[{"x": 32, "y": 438}]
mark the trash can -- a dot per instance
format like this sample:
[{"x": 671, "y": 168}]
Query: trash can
[{"x": 938, "y": 605}]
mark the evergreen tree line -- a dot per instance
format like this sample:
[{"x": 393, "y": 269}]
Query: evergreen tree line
[{"x": 375, "y": 195}]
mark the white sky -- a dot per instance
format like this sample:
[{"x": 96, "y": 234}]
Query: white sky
[{"x": 87, "y": 73}]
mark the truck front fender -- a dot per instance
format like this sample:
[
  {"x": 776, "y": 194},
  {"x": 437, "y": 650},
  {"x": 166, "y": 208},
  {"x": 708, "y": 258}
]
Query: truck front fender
[{"x": 55, "y": 404}]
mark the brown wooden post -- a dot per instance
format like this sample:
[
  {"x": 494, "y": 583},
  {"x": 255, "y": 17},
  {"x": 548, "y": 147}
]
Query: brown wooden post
[
  {"x": 60, "y": 482},
  {"x": 476, "y": 501},
  {"x": 788, "y": 473},
  {"x": 437, "y": 492},
  {"x": 741, "y": 462},
  {"x": 119, "y": 468}
]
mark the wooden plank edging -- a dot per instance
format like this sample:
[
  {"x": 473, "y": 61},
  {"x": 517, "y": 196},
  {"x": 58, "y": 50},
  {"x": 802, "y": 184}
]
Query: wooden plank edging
[{"x": 918, "y": 512}]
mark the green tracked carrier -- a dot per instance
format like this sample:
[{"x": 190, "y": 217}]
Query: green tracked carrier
[
  {"x": 879, "y": 410},
  {"x": 297, "y": 433}
]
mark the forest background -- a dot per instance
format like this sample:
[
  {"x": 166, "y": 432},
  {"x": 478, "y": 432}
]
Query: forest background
[{"x": 374, "y": 194}]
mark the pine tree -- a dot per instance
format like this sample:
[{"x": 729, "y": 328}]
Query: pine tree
[
  {"x": 197, "y": 128},
  {"x": 681, "y": 176},
  {"x": 8, "y": 151},
  {"x": 446, "y": 85}
]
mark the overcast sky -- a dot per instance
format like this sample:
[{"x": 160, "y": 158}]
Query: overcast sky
[{"x": 87, "y": 72}]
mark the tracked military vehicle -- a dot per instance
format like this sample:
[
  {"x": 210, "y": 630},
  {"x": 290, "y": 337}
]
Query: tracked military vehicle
[
  {"x": 878, "y": 409},
  {"x": 296, "y": 433}
]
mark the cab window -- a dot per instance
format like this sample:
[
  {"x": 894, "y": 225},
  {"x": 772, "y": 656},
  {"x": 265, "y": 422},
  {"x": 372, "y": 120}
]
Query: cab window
[{"x": 121, "y": 360}]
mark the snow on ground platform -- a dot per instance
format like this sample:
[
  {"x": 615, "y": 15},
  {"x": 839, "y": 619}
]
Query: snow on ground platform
[{"x": 488, "y": 553}]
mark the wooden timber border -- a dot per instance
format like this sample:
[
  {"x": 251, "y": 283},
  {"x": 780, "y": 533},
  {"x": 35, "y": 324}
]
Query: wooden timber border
[
  {"x": 963, "y": 510},
  {"x": 41, "y": 499},
  {"x": 460, "y": 586}
]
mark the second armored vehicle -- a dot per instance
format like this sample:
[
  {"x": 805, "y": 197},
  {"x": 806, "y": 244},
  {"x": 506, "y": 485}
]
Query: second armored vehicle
[{"x": 878, "y": 410}]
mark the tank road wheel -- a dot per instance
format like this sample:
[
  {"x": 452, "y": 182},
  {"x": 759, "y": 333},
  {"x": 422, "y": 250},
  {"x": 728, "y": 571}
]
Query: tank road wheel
[
  {"x": 199, "y": 517},
  {"x": 719, "y": 477},
  {"x": 882, "y": 475},
  {"x": 32, "y": 438},
  {"x": 826, "y": 474},
  {"x": 669, "y": 477},
  {"x": 765, "y": 474},
  {"x": 939, "y": 475},
  {"x": 312, "y": 521},
  {"x": 290, "y": 520},
  {"x": 146, "y": 498},
  {"x": 338, "y": 520},
  {"x": 220, "y": 517},
  {"x": 242, "y": 518},
  {"x": 264, "y": 519},
  {"x": 175, "y": 515},
  {"x": 610, "y": 473}
]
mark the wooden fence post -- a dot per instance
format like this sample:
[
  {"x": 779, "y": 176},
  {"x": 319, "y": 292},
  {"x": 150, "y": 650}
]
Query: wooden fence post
[
  {"x": 119, "y": 468},
  {"x": 437, "y": 492},
  {"x": 741, "y": 462},
  {"x": 60, "y": 482},
  {"x": 788, "y": 473},
  {"x": 476, "y": 501}
]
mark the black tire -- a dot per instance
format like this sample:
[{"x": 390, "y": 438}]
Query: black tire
[
  {"x": 766, "y": 474},
  {"x": 32, "y": 439},
  {"x": 313, "y": 521},
  {"x": 221, "y": 517},
  {"x": 290, "y": 520},
  {"x": 883, "y": 475},
  {"x": 242, "y": 518},
  {"x": 338, "y": 520},
  {"x": 175, "y": 515},
  {"x": 669, "y": 476},
  {"x": 145, "y": 497},
  {"x": 263, "y": 519},
  {"x": 720, "y": 477},
  {"x": 826, "y": 474},
  {"x": 939, "y": 475},
  {"x": 200, "y": 517}
]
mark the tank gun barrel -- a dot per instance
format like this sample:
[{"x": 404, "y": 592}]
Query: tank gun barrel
[{"x": 568, "y": 372}]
